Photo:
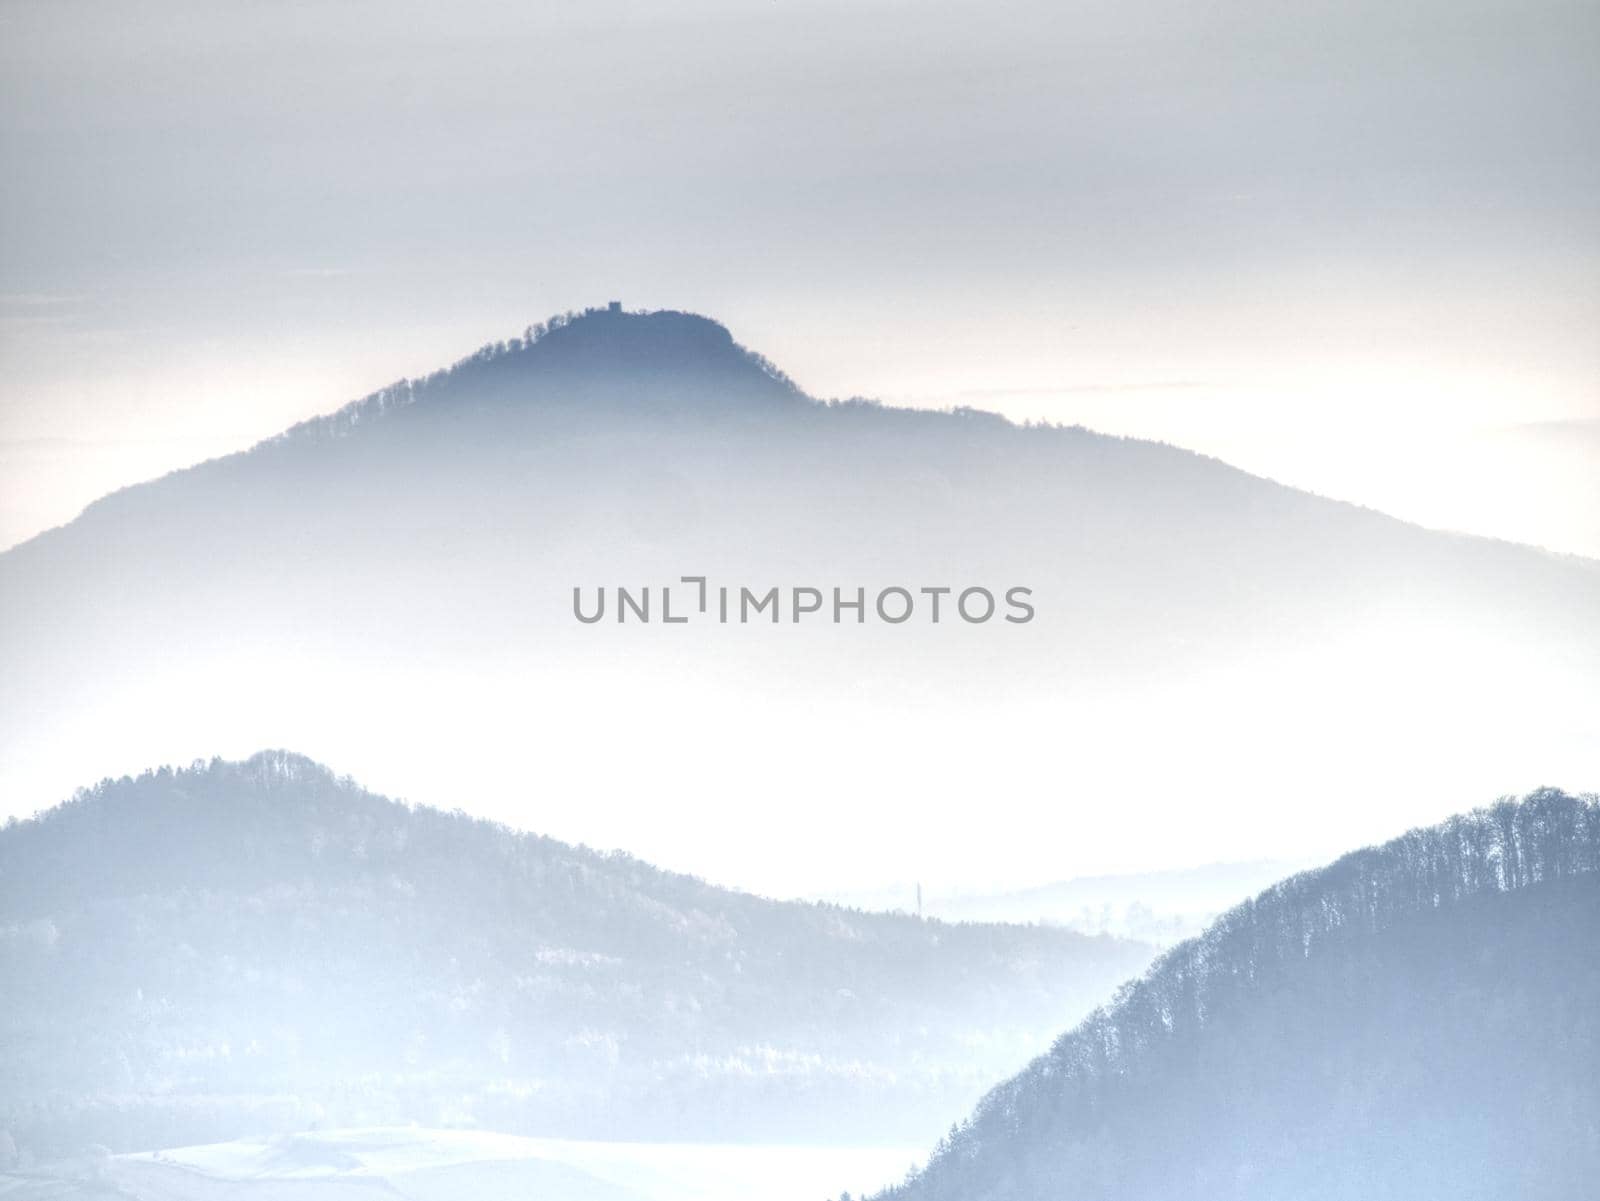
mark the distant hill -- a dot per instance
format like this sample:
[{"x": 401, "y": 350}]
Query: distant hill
[
  {"x": 235, "y": 948},
  {"x": 1421, "y": 1019},
  {"x": 1156, "y": 907},
  {"x": 391, "y": 587}
]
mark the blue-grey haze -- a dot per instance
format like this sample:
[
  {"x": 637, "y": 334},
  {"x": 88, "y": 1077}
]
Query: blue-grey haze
[{"x": 1347, "y": 245}]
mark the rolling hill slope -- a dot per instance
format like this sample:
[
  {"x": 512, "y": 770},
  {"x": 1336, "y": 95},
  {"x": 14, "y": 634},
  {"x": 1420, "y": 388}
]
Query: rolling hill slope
[
  {"x": 1420, "y": 1019},
  {"x": 243, "y": 947}
]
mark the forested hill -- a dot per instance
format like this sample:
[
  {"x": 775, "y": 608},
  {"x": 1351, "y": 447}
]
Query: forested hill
[
  {"x": 1418, "y": 1020},
  {"x": 256, "y": 946}
]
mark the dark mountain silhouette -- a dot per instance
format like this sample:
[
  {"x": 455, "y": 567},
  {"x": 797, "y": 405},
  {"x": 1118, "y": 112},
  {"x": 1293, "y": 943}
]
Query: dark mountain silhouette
[
  {"x": 243, "y": 947},
  {"x": 1420, "y": 1019},
  {"x": 392, "y": 585},
  {"x": 731, "y": 447}
]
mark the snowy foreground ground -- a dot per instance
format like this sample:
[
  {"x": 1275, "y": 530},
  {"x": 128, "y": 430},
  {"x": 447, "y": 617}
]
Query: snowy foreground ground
[{"x": 447, "y": 1165}]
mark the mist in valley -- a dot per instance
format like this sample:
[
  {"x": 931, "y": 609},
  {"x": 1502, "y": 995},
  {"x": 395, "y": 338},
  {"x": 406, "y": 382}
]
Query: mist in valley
[
  {"x": 276, "y": 976},
  {"x": 945, "y": 603},
  {"x": 391, "y": 589}
]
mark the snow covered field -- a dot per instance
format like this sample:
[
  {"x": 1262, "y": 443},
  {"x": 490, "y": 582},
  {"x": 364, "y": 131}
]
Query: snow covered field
[{"x": 443, "y": 1165}]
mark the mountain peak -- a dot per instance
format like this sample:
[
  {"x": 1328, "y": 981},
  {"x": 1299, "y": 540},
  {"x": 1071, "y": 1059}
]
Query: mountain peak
[
  {"x": 633, "y": 330},
  {"x": 663, "y": 360},
  {"x": 612, "y": 339}
]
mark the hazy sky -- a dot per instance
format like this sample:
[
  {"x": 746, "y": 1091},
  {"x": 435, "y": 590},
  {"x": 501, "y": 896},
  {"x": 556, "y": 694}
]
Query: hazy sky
[{"x": 1353, "y": 245}]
